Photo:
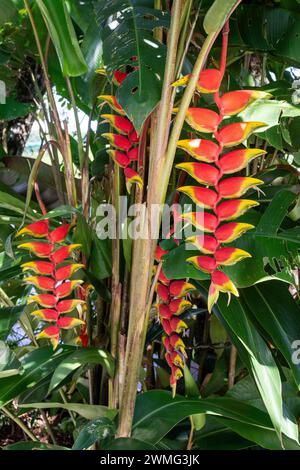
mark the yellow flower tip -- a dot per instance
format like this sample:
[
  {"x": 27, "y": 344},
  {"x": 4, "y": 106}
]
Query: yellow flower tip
[
  {"x": 175, "y": 110},
  {"x": 101, "y": 71}
]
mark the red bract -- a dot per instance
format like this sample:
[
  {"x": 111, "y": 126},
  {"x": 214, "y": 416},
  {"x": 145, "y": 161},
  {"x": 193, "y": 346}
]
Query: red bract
[
  {"x": 49, "y": 279},
  {"x": 213, "y": 254},
  {"x": 172, "y": 304},
  {"x": 126, "y": 152}
]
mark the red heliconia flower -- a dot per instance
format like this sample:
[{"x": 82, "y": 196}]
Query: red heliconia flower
[
  {"x": 178, "y": 306},
  {"x": 46, "y": 314},
  {"x": 159, "y": 252},
  {"x": 227, "y": 256},
  {"x": 200, "y": 149},
  {"x": 52, "y": 333},
  {"x": 59, "y": 234},
  {"x": 164, "y": 311},
  {"x": 201, "y": 172},
  {"x": 202, "y": 220},
  {"x": 202, "y": 196},
  {"x": 39, "y": 267},
  {"x": 229, "y": 210},
  {"x": 118, "y": 141},
  {"x": 69, "y": 322},
  {"x": 176, "y": 342},
  {"x": 175, "y": 359},
  {"x": 58, "y": 256},
  {"x": 38, "y": 229},
  {"x": 202, "y": 119},
  {"x": 238, "y": 159},
  {"x": 49, "y": 273},
  {"x": 113, "y": 103},
  {"x": 132, "y": 177},
  {"x": 213, "y": 255},
  {"x": 176, "y": 374},
  {"x": 119, "y": 77},
  {"x": 120, "y": 158},
  {"x": 177, "y": 325},
  {"x": 236, "y": 133},
  {"x": 209, "y": 81},
  {"x": 207, "y": 264},
  {"x": 133, "y": 154},
  {"x": 237, "y": 186},
  {"x": 66, "y": 288},
  {"x": 120, "y": 123},
  {"x": 227, "y": 233},
  {"x": 41, "y": 282},
  {"x": 45, "y": 300},
  {"x": 66, "y": 306},
  {"x": 166, "y": 326},
  {"x": 204, "y": 243},
  {"x": 163, "y": 278},
  {"x": 162, "y": 292},
  {"x": 234, "y": 102},
  {"x": 40, "y": 249},
  {"x": 133, "y": 137},
  {"x": 180, "y": 288},
  {"x": 66, "y": 271}
]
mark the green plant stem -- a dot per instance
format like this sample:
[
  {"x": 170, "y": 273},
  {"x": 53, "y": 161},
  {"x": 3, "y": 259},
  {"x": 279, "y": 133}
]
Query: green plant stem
[
  {"x": 64, "y": 399},
  {"x": 19, "y": 422},
  {"x": 232, "y": 366},
  {"x": 45, "y": 72},
  {"x": 115, "y": 310},
  {"x": 183, "y": 43},
  {"x": 77, "y": 123},
  {"x": 143, "y": 248},
  {"x": 48, "y": 426}
]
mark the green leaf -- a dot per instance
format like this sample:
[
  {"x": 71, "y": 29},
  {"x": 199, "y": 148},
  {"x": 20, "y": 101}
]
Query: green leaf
[
  {"x": 269, "y": 112},
  {"x": 129, "y": 444},
  {"x": 126, "y": 31},
  {"x": 156, "y": 413},
  {"x": 100, "y": 262},
  {"x": 9, "y": 364},
  {"x": 95, "y": 430},
  {"x": 79, "y": 358},
  {"x": 265, "y": 438},
  {"x": 8, "y": 12},
  {"x": 33, "y": 445},
  {"x": 36, "y": 366},
  {"x": 13, "y": 109},
  {"x": 277, "y": 312},
  {"x": 217, "y": 14},
  {"x": 263, "y": 366},
  {"x": 175, "y": 266},
  {"x": 192, "y": 390},
  {"x": 61, "y": 30},
  {"x": 216, "y": 436},
  {"x": 268, "y": 243},
  {"x": 87, "y": 411},
  {"x": 8, "y": 317},
  {"x": 139, "y": 100}
]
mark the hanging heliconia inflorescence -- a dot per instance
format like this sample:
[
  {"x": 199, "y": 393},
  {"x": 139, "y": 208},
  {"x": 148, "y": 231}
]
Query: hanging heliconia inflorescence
[
  {"x": 172, "y": 303},
  {"x": 125, "y": 141},
  {"x": 52, "y": 280},
  {"x": 219, "y": 194}
]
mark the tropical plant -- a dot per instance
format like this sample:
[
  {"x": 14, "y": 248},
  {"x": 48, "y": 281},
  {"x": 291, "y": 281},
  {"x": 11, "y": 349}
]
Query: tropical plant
[{"x": 133, "y": 310}]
